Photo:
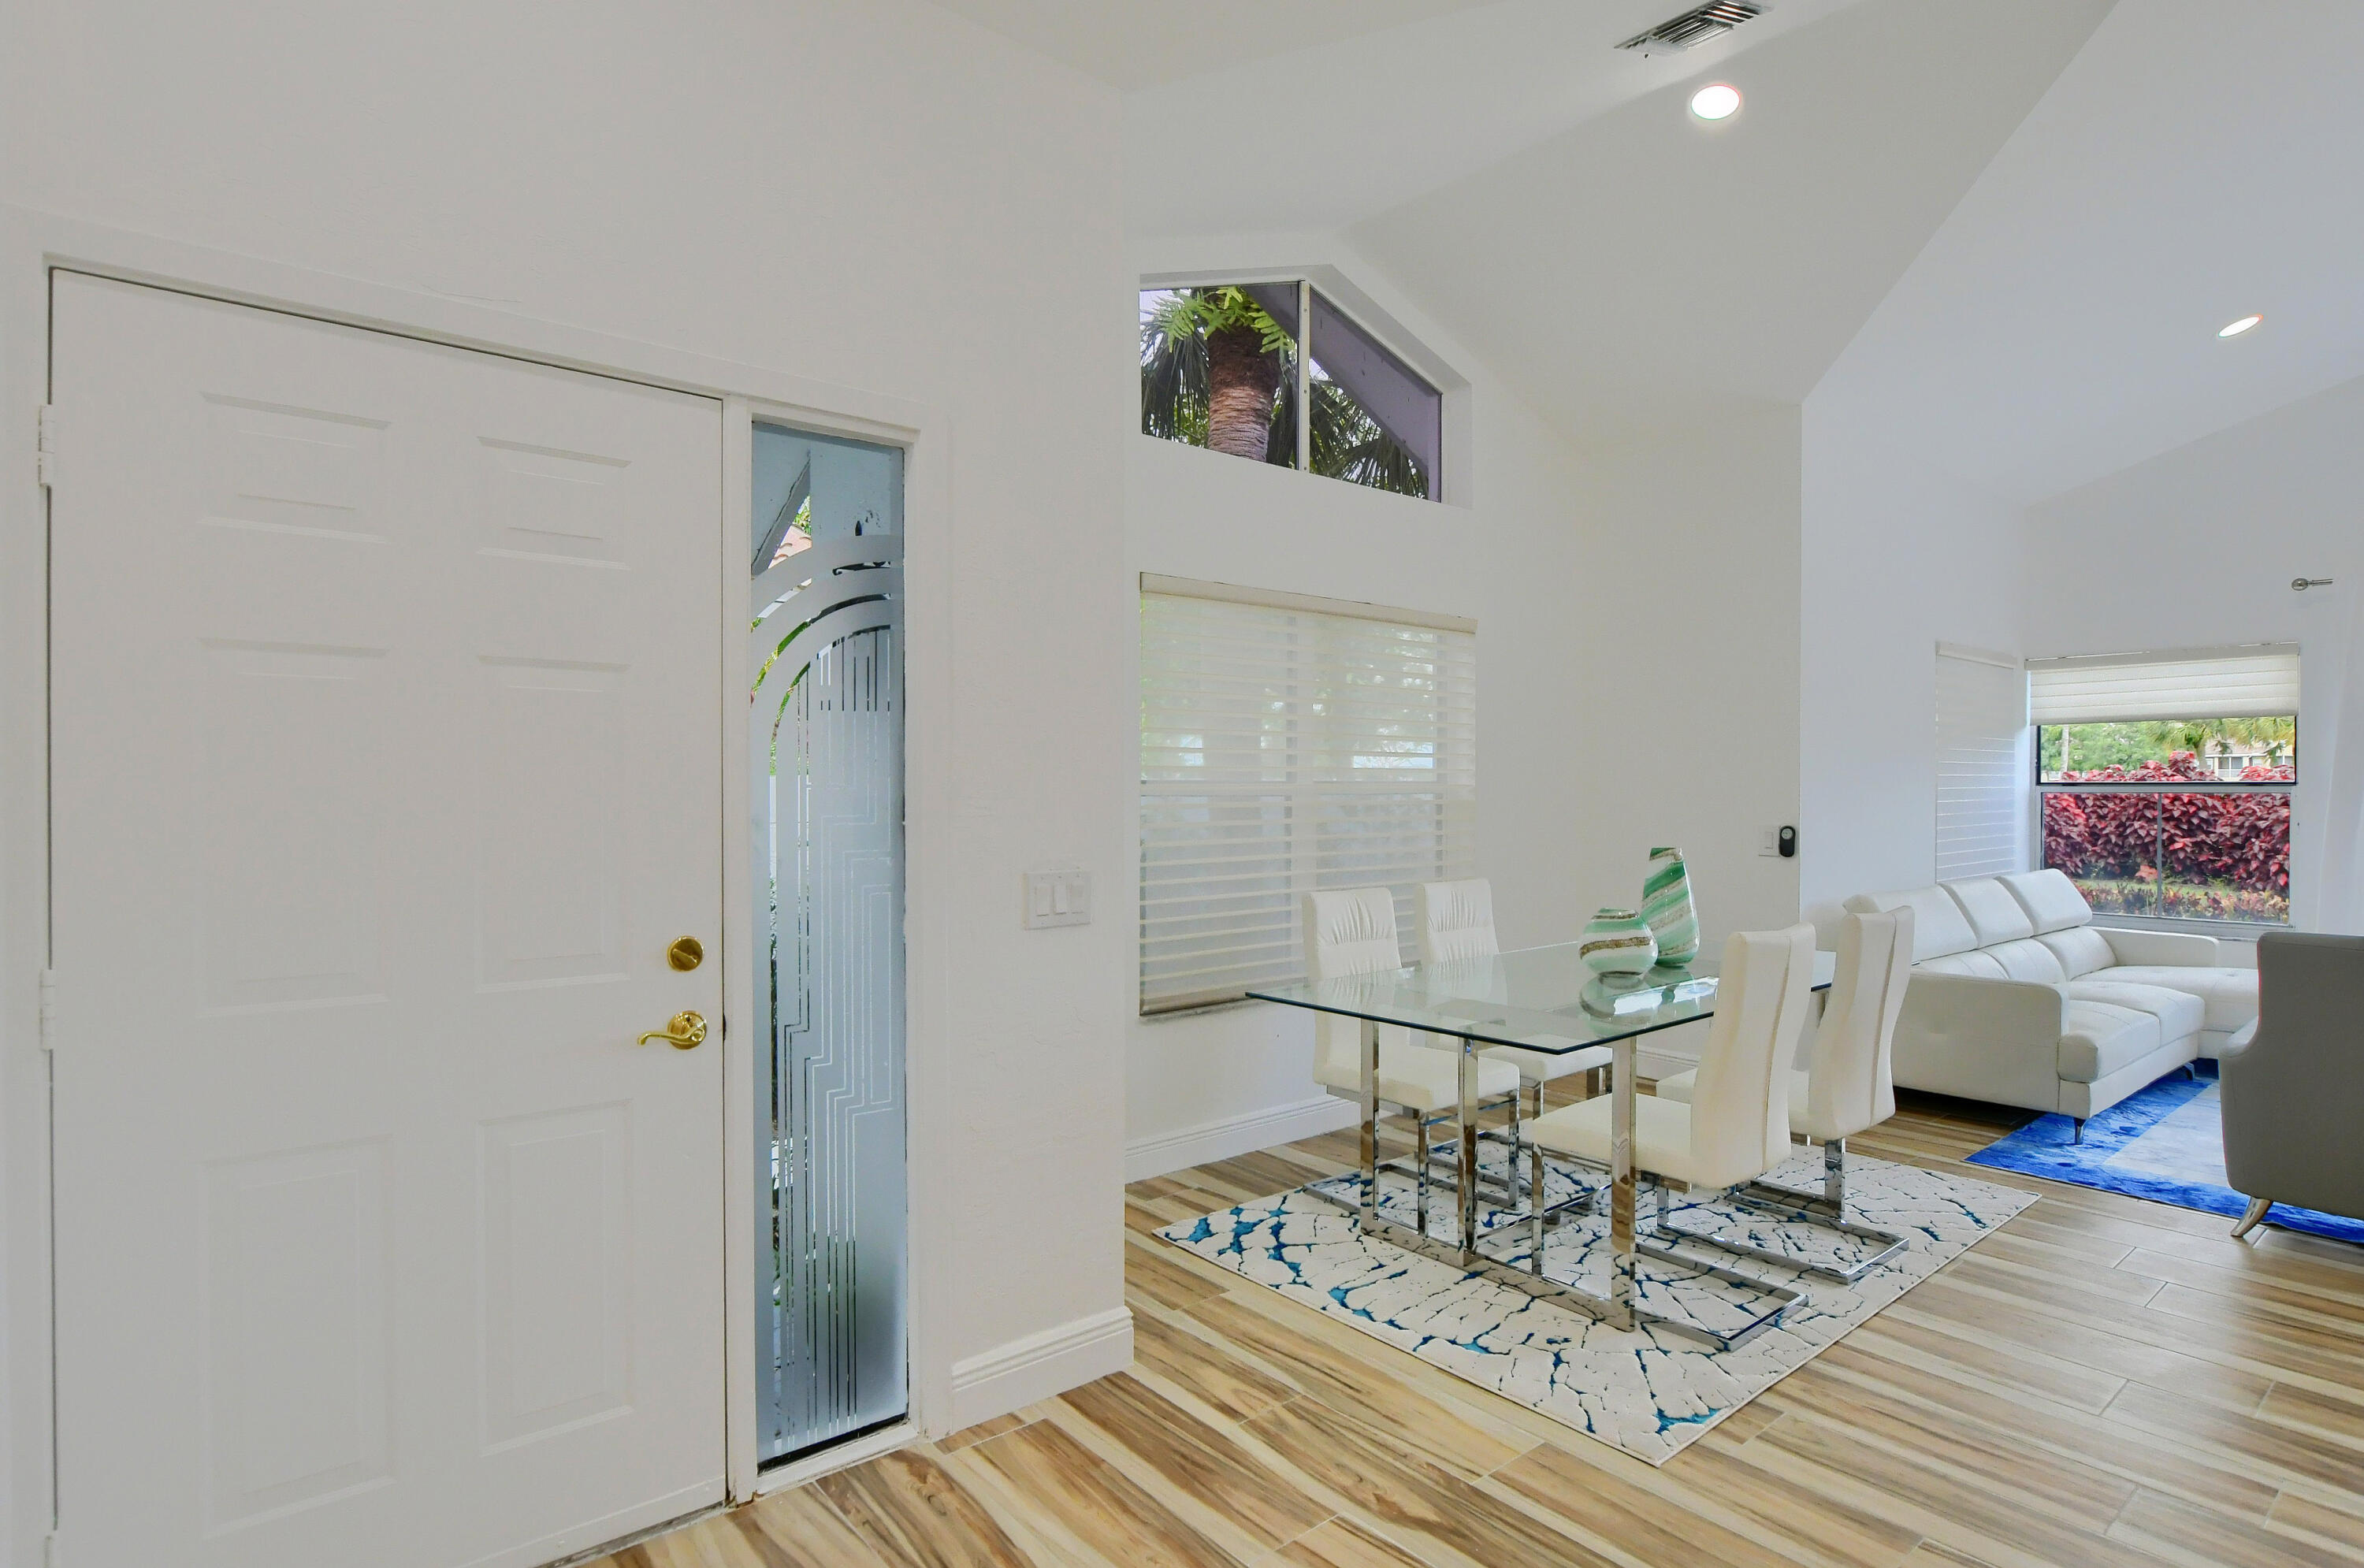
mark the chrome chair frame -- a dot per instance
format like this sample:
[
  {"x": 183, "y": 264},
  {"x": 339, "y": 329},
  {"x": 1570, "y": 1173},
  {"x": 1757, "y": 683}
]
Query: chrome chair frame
[
  {"x": 1826, "y": 1209},
  {"x": 1434, "y": 1152},
  {"x": 1784, "y": 1298}
]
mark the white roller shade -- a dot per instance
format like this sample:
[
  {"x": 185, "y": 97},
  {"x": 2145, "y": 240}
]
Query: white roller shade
[
  {"x": 1286, "y": 749},
  {"x": 2203, "y": 684},
  {"x": 1981, "y": 770}
]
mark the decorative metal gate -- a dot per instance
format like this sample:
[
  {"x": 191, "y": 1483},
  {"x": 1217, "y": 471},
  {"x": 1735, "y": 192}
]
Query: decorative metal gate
[{"x": 826, "y": 754}]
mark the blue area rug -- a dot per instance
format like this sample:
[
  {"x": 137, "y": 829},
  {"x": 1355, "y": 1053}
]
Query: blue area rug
[{"x": 2165, "y": 1143}]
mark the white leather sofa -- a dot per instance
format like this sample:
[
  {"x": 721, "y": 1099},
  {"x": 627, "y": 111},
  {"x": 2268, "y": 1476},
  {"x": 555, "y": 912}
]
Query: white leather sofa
[{"x": 2017, "y": 997}]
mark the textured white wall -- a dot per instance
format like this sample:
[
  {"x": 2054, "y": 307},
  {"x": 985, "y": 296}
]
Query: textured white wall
[
  {"x": 1644, "y": 686},
  {"x": 1899, "y": 557},
  {"x": 875, "y": 195},
  {"x": 1649, "y": 664},
  {"x": 2197, "y": 547}
]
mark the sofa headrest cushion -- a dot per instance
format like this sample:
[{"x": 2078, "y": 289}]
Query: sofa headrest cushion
[
  {"x": 2051, "y": 900},
  {"x": 1939, "y": 928},
  {"x": 1993, "y": 913}
]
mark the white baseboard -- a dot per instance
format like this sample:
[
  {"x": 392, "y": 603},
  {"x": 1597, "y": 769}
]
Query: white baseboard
[
  {"x": 1191, "y": 1146},
  {"x": 1021, "y": 1373}
]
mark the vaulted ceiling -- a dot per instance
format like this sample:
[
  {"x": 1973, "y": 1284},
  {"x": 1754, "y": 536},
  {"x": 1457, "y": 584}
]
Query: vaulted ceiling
[
  {"x": 2005, "y": 231},
  {"x": 1647, "y": 265},
  {"x": 1139, "y": 43},
  {"x": 2194, "y": 162}
]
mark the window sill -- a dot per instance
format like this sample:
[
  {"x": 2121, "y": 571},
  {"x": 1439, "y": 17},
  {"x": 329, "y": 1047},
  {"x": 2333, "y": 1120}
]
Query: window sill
[{"x": 1198, "y": 1009}]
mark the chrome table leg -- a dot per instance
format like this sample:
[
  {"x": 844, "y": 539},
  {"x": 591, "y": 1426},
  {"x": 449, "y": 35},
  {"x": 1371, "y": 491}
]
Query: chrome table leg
[
  {"x": 1621, "y": 1187},
  {"x": 1469, "y": 1173},
  {"x": 1370, "y": 1087},
  {"x": 1420, "y": 1125}
]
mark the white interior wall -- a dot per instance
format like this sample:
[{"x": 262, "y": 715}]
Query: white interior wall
[
  {"x": 1897, "y": 557},
  {"x": 1211, "y": 1083},
  {"x": 2197, "y": 547},
  {"x": 1620, "y": 595},
  {"x": 880, "y": 196},
  {"x": 1640, "y": 684}
]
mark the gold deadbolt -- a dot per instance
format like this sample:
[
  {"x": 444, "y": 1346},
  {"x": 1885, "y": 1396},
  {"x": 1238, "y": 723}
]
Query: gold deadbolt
[
  {"x": 686, "y": 1032},
  {"x": 686, "y": 953}
]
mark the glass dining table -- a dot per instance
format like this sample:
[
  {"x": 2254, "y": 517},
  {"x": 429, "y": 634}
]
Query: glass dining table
[{"x": 1542, "y": 999}]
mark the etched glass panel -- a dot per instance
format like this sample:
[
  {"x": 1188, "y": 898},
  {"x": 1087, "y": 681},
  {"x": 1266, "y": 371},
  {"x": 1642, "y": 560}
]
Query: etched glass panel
[{"x": 826, "y": 792}]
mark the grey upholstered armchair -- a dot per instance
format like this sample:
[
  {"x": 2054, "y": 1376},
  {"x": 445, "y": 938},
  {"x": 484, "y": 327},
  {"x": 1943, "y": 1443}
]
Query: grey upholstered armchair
[{"x": 2294, "y": 1093}]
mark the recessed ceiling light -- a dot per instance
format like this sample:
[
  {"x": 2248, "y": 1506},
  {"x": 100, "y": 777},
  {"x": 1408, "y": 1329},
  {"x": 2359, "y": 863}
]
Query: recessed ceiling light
[
  {"x": 2237, "y": 328},
  {"x": 1716, "y": 100}
]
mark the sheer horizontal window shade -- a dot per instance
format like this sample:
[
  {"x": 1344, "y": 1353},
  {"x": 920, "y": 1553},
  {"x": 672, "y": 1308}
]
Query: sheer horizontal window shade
[
  {"x": 2230, "y": 684},
  {"x": 1981, "y": 717},
  {"x": 1285, "y": 750}
]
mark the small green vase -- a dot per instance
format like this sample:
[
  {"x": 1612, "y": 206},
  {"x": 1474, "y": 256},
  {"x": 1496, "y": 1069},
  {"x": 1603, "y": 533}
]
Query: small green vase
[
  {"x": 1618, "y": 946},
  {"x": 1666, "y": 905}
]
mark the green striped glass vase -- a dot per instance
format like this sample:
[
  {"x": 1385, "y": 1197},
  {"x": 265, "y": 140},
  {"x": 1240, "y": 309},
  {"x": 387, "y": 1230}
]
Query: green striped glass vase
[
  {"x": 1618, "y": 946},
  {"x": 1666, "y": 905}
]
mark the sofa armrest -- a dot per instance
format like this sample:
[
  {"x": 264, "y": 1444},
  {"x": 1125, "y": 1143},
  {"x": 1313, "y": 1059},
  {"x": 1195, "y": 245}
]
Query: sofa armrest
[
  {"x": 1980, "y": 1038},
  {"x": 2010, "y": 1009},
  {"x": 2178, "y": 949}
]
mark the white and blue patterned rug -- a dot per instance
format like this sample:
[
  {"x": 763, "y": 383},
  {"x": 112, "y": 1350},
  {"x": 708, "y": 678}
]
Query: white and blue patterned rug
[
  {"x": 1649, "y": 1390},
  {"x": 2165, "y": 1143}
]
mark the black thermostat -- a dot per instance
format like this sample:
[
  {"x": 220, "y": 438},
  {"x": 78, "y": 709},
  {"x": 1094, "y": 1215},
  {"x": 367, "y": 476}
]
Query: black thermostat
[{"x": 1788, "y": 842}]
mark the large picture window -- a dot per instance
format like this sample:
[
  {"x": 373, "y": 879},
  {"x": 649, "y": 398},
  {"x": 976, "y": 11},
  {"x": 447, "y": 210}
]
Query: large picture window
[
  {"x": 1289, "y": 745},
  {"x": 1232, "y": 367},
  {"x": 2166, "y": 782}
]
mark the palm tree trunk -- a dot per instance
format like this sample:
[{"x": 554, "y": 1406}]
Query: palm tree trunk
[{"x": 1241, "y": 381}]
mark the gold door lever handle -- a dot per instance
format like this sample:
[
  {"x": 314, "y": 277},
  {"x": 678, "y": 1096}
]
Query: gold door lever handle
[{"x": 685, "y": 1032}]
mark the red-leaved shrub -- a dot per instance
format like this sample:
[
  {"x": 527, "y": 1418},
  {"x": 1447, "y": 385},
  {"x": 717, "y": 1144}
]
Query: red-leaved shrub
[{"x": 2240, "y": 842}]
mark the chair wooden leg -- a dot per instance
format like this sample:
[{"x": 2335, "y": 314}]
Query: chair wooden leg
[{"x": 2252, "y": 1216}]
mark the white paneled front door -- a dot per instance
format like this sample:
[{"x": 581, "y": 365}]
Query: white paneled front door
[{"x": 386, "y": 731}]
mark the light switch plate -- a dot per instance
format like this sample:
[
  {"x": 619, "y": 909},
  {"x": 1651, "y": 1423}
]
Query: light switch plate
[
  {"x": 1060, "y": 895},
  {"x": 1769, "y": 842}
]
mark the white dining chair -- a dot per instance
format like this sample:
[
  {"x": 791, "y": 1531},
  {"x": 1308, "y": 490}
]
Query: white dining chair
[
  {"x": 1735, "y": 1127},
  {"x": 1846, "y": 1086},
  {"x": 1352, "y": 932},
  {"x": 1456, "y": 922}
]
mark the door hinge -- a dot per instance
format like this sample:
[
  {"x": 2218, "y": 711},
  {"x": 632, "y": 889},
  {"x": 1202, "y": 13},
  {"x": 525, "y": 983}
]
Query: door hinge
[
  {"x": 45, "y": 447},
  {"x": 51, "y": 1555},
  {"x": 49, "y": 1009}
]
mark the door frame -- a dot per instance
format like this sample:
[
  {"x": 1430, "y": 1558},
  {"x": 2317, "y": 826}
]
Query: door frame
[{"x": 34, "y": 245}]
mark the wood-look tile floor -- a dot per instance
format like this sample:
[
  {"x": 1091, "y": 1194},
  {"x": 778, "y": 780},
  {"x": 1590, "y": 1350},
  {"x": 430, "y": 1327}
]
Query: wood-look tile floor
[{"x": 2103, "y": 1384}]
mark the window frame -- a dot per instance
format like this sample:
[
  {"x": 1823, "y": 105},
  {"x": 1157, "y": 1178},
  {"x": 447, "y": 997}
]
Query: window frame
[
  {"x": 2045, "y": 789},
  {"x": 1417, "y": 362}
]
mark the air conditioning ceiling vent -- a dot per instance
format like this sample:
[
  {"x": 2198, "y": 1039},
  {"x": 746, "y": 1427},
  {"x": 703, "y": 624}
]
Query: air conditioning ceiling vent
[{"x": 1695, "y": 26}]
